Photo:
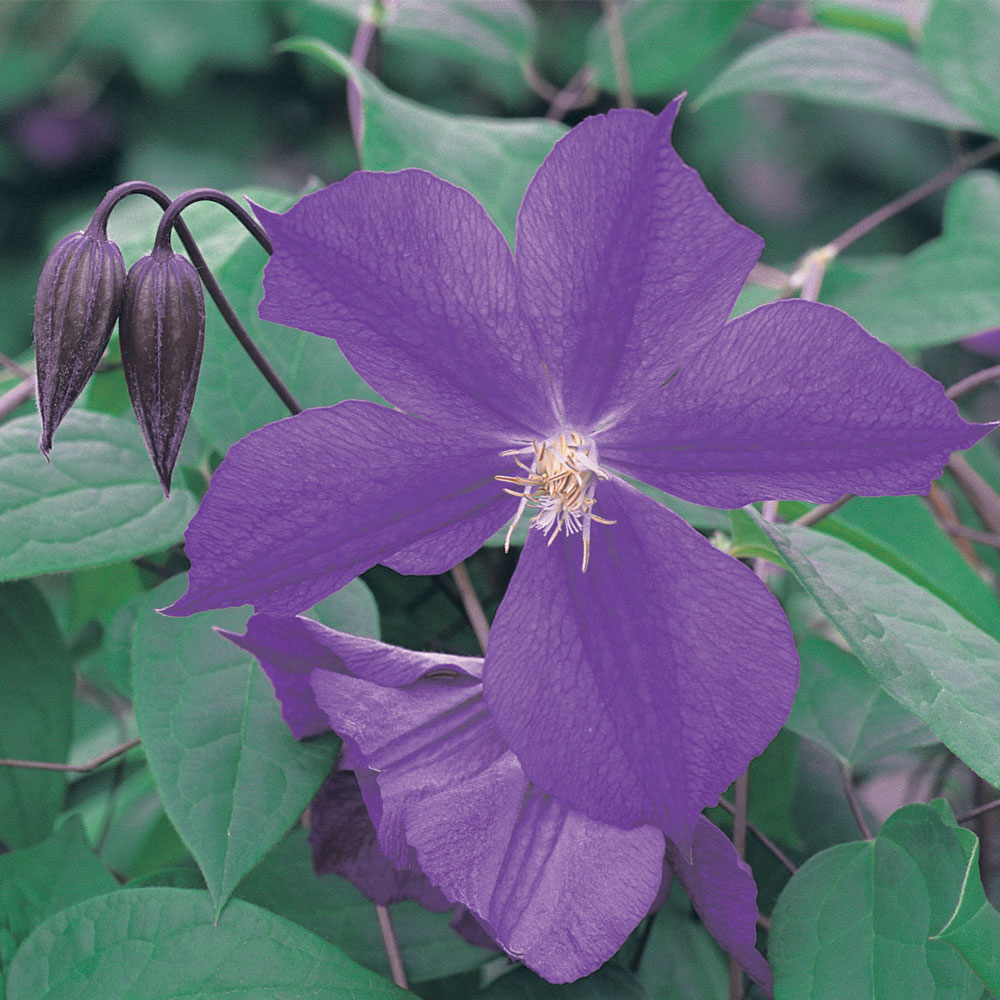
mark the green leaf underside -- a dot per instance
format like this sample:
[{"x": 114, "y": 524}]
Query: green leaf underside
[
  {"x": 36, "y": 713},
  {"x": 960, "y": 44},
  {"x": 857, "y": 920},
  {"x": 37, "y": 882},
  {"x": 946, "y": 289},
  {"x": 663, "y": 41},
  {"x": 232, "y": 777},
  {"x": 331, "y": 907},
  {"x": 840, "y": 706},
  {"x": 163, "y": 944},
  {"x": 98, "y": 501},
  {"x": 841, "y": 67},
  {"x": 925, "y": 654},
  {"x": 492, "y": 159}
]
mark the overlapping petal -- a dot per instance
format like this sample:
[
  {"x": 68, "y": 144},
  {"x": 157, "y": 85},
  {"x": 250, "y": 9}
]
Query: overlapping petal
[
  {"x": 302, "y": 506},
  {"x": 415, "y": 282},
  {"x": 554, "y": 887},
  {"x": 722, "y": 890},
  {"x": 637, "y": 691},
  {"x": 792, "y": 400},
  {"x": 626, "y": 262}
]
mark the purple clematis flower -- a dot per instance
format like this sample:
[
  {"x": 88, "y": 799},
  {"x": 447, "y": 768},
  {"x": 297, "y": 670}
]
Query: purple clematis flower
[
  {"x": 637, "y": 690},
  {"x": 552, "y": 886}
]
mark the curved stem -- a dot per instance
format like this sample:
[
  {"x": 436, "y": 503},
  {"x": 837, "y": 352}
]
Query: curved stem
[
  {"x": 91, "y": 765},
  {"x": 936, "y": 183},
  {"x": 972, "y": 382},
  {"x": 171, "y": 217}
]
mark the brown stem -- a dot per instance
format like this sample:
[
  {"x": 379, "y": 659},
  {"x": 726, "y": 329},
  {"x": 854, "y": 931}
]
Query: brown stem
[
  {"x": 470, "y": 601},
  {"x": 91, "y": 765},
  {"x": 763, "y": 838},
  {"x": 978, "y": 811},
  {"x": 360, "y": 47},
  {"x": 979, "y": 492},
  {"x": 852, "y": 801},
  {"x": 972, "y": 382},
  {"x": 817, "y": 514},
  {"x": 14, "y": 366},
  {"x": 936, "y": 183},
  {"x": 13, "y": 398},
  {"x": 619, "y": 57},
  {"x": 394, "y": 955},
  {"x": 578, "y": 93},
  {"x": 961, "y": 531},
  {"x": 944, "y": 513}
]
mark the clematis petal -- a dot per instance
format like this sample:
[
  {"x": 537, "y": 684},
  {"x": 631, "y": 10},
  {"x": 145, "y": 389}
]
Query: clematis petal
[
  {"x": 644, "y": 686},
  {"x": 626, "y": 262},
  {"x": 415, "y": 282},
  {"x": 343, "y": 840},
  {"x": 301, "y": 507},
  {"x": 722, "y": 890},
  {"x": 792, "y": 400}
]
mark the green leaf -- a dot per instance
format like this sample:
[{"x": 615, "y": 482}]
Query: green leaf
[
  {"x": 681, "y": 959},
  {"x": 608, "y": 981},
  {"x": 331, "y": 907},
  {"x": 840, "y": 67},
  {"x": 840, "y": 706},
  {"x": 162, "y": 944},
  {"x": 36, "y": 713},
  {"x": 233, "y": 397},
  {"x": 231, "y": 776},
  {"x": 97, "y": 502},
  {"x": 857, "y": 919},
  {"x": 945, "y": 289},
  {"x": 974, "y": 928},
  {"x": 922, "y": 651},
  {"x": 961, "y": 39},
  {"x": 39, "y": 881},
  {"x": 664, "y": 41},
  {"x": 492, "y": 159}
]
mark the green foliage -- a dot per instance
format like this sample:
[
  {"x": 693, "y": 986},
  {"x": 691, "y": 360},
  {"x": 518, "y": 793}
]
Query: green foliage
[
  {"x": 492, "y": 159},
  {"x": 36, "y": 713},
  {"x": 883, "y": 903},
  {"x": 926, "y": 655},
  {"x": 160, "y": 944},
  {"x": 98, "y": 501},
  {"x": 840, "y": 67}
]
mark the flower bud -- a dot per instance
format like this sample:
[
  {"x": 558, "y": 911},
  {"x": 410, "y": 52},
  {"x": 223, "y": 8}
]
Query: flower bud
[
  {"x": 162, "y": 332},
  {"x": 78, "y": 300}
]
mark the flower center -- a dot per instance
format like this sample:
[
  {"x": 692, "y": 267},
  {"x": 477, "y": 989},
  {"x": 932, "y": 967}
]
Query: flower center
[{"x": 560, "y": 483}]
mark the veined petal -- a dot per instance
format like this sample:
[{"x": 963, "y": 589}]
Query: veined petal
[
  {"x": 302, "y": 506},
  {"x": 793, "y": 400},
  {"x": 415, "y": 282},
  {"x": 626, "y": 262},
  {"x": 721, "y": 888},
  {"x": 552, "y": 886},
  {"x": 644, "y": 686}
]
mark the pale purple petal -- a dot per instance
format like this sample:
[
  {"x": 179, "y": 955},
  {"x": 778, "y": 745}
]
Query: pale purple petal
[
  {"x": 793, "y": 400},
  {"x": 415, "y": 282},
  {"x": 722, "y": 890},
  {"x": 552, "y": 886},
  {"x": 343, "y": 840},
  {"x": 301, "y": 507},
  {"x": 639, "y": 690},
  {"x": 626, "y": 262}
]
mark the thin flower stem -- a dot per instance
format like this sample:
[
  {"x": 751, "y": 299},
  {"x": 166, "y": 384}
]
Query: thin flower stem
[
  {"x": 817, "y": 514},
  {"x": 470, "y": 601},
  {"x": 972, "y": 382},
  {"x": 13, "y": 398},
  {"x": 578, "y": 93},
  {"x": 770, "y": 277},
  {"x": 391, "y": 944},
  {"x": 171, "y": 217},
  {"x": 978, "y": 811},
  {"x": 619, "y": 57},
  {"x": 763, "y": 838},
  {"x": 943, "y": 510},
  {"x": 929, "y": 187},
  {"x": 972, "y": 534},
  {"x": 979, "y": 492},
  {"x": 852, "y": 801},
  {"x": 91, "y": 765},
  {"x": 17, "y": 369},
  {"x": 360, "y": 47}
]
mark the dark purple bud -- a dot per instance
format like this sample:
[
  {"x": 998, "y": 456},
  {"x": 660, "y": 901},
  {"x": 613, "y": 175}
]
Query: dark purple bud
[
  {"x": 162, "y": 332},
  {"x": 78, "y": 300}
]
